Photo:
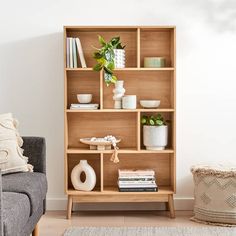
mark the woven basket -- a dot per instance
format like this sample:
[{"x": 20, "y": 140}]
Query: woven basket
[{"x": 215, "y": 194}]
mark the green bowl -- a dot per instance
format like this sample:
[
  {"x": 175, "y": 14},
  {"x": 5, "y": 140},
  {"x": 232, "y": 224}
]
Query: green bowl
[{"x": 154, "y": 62}]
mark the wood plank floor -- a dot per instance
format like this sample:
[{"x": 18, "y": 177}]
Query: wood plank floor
[{"x": 54, "y": 223}]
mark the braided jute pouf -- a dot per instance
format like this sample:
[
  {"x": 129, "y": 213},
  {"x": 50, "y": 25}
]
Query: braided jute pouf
[{"x": 215, "y": 195}]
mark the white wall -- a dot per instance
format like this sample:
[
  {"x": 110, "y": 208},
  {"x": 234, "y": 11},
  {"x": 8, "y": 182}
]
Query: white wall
[{"x": 31, "y": 74}]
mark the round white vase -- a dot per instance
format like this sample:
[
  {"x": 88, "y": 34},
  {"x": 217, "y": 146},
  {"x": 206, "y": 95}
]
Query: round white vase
[
  {"x": 119, "y": 58},
  {"x": 119, "y": 92},
  {"x": 90, "y": 176},
  {"x": 155, "y": 137}
]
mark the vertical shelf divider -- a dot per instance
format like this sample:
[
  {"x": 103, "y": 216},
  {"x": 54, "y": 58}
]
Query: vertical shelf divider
[
  {"x": 138, "y": 48},
  {"x": 101, "y": 170},
  {"x": 138, "y": 131},
  {"x": 101, "y": 89}
]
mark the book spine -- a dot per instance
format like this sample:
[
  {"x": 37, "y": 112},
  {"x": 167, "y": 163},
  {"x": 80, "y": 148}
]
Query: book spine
[
  {"x": 74, "y": 54},
  {"x": 67, "y": 52},
  {"x": 80, "y": 53},
  {"x": 138, "y": 189},
  {"x": 71, "y": 54},
  {"x": 138, "y": 178},
  {"x": 137, "y": 182},
  {"x": 137, "y": 185}
]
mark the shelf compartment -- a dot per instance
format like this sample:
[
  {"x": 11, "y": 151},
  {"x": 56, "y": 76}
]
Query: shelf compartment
[
  {"x": 85, "y": 125},
  {"x": 89, "y": 40},
  {"x": 168, "y": 116},
  {"x": 160, "y": 163},
  {"x": 93, "y": 160},
  {"x": 82, "y": 82},
  {"x": 154, "y": 85},
  {"x": 157, "y": 43}
]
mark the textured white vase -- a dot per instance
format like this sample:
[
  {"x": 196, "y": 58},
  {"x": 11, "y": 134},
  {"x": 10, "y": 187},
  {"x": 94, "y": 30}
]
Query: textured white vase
[
  {"x": 129, "y": 102},
  {"x": 90, "y": 176},
  {"x": 119, "y": 92},
  {"x": 119, "y": 59},
  {"x": 155, "y": 137}
]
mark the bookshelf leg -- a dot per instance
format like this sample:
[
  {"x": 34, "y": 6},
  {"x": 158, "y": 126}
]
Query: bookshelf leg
[
  {"x": 69, "y": 206},
  {"x": 167, "y": 206},
  {"x": 171, "y": 206}
]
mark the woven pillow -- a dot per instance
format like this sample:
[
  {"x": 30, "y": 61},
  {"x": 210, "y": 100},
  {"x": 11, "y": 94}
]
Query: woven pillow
[
  {"x": 215, "y": 194},
  {"x": 11, "y": 154}
]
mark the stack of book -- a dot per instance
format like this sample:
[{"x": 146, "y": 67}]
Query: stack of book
[
  {"x": 79, "y": 106},
  {"x": 137, "y": 181},
  {"x": 74, "y": 53}
]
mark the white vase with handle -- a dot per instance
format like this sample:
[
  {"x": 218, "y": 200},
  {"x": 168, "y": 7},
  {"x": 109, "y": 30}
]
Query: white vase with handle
[
  {"x": 119, "y": 92},
  {"x": 90, "y": 176}
]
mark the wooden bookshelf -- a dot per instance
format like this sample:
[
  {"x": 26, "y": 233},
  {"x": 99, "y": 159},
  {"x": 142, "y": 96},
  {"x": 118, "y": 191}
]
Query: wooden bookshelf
[{"x": 146, "y": 83}]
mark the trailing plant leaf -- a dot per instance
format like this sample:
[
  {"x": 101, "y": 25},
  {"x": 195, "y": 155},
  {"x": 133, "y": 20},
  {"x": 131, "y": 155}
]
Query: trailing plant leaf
[{"x": 105, "y": 58}]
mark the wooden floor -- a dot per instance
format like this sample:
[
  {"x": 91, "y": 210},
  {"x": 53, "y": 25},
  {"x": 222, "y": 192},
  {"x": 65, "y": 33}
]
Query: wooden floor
[{"x": 54, "y": 223}]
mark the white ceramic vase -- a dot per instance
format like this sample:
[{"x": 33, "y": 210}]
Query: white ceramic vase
[
  {"x": 90, "y": 179},
  {"x": 155, "y": 137},
  {"x": 119, "y": 92},
  {"x": 119, "y": 59},
  {"x": 129, "y": 102}
]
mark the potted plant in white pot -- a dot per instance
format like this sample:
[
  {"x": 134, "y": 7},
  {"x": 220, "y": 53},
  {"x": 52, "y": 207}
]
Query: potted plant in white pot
[
  {"x": 155, "y": 132},
  {"x": 110, "y": 56}
]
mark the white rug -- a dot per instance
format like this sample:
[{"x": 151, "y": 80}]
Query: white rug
[{"x": 150, "y": 231}]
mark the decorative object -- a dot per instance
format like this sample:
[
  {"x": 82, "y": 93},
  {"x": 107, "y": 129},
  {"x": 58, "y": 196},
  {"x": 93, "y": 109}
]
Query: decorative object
[
  {"x": 154, "y": 62},
  {"x": 151, "y": 231},
  {"x": 84, "y": 98},
  {"x": 90, "y": 176},
  {"x": 155, "y": 132},
  {"x": 119, "y": 92},
  {"x": 11, "y": 154},
  {"x": 119, "y": 58},
  {"x": 150, "y": 103},
  {"x": 215, "y": 194},
  {"x": 129, "y": 102},
  {"x": 105, "y": 57},
  {"x": 103, "y": 144}
]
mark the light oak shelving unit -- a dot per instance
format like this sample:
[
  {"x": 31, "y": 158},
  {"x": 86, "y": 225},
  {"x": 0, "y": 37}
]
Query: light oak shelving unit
[{"x": 146, "y": 83}]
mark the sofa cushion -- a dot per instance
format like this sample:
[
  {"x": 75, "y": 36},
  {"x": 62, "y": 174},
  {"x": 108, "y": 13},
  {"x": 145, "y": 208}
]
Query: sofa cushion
[
  {"x": 15, "y": 212},
  {"x": 33, "y": 184}
]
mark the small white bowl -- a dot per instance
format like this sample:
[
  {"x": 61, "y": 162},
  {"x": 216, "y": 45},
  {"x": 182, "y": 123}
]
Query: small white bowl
[
  {"x": 150, "y": 103},
  {"x": 84, "y": 98}
]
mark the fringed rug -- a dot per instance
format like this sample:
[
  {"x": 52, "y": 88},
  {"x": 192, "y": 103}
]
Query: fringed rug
[{"x": 150, "y": 231}]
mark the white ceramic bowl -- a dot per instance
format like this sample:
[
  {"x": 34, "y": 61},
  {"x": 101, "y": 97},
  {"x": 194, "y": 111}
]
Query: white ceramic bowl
[
  {"x": 150, "y": 103},
  {"x": 84, "y": 98}
]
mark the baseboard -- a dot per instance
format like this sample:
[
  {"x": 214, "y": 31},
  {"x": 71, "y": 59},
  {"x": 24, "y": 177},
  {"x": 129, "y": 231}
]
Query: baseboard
[{"x": 182, "y": 204}]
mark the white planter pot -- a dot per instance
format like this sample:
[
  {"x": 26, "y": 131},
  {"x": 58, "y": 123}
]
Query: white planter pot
[
  {"x": 155, "y": 137},
  {"x": 90, "y": 179},
  {"x": 119, "y": 59}
]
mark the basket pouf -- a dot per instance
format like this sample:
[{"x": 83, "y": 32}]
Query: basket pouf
[{"x": 215, "y": 194}]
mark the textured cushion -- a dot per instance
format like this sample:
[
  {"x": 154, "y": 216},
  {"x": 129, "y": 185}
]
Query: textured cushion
[
  {"x": 33, "y": 184},
  {"x": 11, "y": 154},
  {"x": 16, "y": 212},
  {"x": 215, "y": 194}
]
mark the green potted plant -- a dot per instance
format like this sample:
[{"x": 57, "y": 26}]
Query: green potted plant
[
  {"x": 155, "y": 132},
  {"x": 106, "y": 58}
]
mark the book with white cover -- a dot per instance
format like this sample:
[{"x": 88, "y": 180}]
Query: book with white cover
[
  {"x": 137, "y": 182},
  {"x": 131, "y": 172},
  {"x": 81, "y": 53},
  {"x": 75, "y": 65},
  {"x": 67, "y": 52},
  {"x": 137, "y": 186},
  {"x": 137, "y": 177},
  {"x": 71, "y": 53}
]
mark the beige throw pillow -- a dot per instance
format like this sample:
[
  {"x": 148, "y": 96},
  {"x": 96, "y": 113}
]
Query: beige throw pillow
[{"x": 11, "y": 153}]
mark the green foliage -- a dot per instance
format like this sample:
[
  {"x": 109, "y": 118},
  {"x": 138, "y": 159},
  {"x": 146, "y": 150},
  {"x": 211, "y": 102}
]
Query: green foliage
[
  {"x": 105, "y": 58},
  {"x": 153, "y": 120}
]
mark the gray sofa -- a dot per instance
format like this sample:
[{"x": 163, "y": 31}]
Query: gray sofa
[{"x": 23, "y": 194}]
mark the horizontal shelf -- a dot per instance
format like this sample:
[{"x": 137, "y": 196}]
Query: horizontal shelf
[
  {"x": 126, "y": 69},
  {"x": 115, "y": 191},
  {"x": 123, "y": 150},
  {"x": 124, "y": 110}
]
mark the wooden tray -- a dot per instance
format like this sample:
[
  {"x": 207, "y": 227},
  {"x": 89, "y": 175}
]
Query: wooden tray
[{"x": 98, "y": 145}]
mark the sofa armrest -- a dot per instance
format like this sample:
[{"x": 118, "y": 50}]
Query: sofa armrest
[{"x": 35, "y": 150}]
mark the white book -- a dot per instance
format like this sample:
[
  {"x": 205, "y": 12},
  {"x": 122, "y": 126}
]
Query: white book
[
  {"x": 75, "y": 65},
  {"x": 80, "y": 53},
  {"x": 131, "y": 172},
  {"x": 71, "y": 53},
  {"x": 137, "y": 186},
  {"x": 84, "y": 105},
  {"x": 67, "y": 52},
  {"x": 128, "y": 182},
  {"x": 137, "y": 177}
]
